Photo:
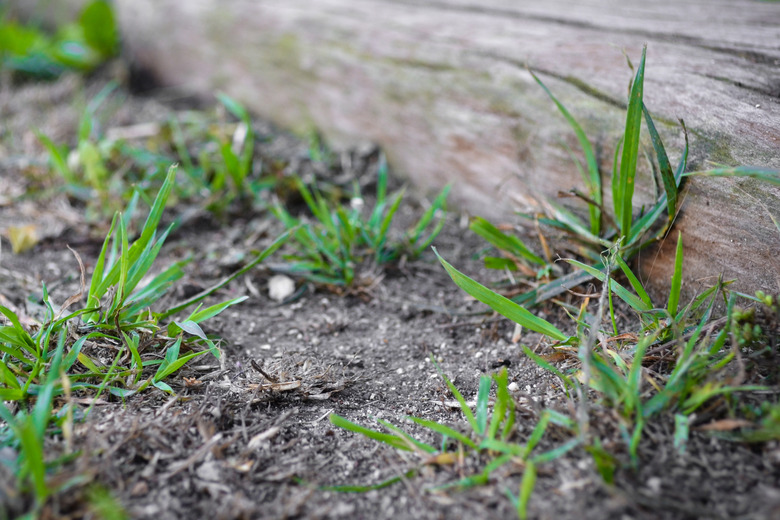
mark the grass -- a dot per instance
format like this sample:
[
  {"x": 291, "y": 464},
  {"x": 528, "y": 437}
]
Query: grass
[
  {"x": 674, "y": 361},
  {"x": 700, "y": 360},
  {"x": 621, "y": 227},
  {"x": 216, "y": 156},
  {"x": 82, "y": 45},
  {"x": 491, "y": 433},
  {"x": 62, "y": 355},
  {"x": 699, "y": 357},
  {"x": 331, "y": 246}
]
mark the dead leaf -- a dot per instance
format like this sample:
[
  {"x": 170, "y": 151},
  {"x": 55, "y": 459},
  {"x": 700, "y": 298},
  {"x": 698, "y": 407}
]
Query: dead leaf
[
  {"x": 256, "y": 441},
  {"x": 724, "y": 425},
  {"x": 278, "y": 387},
  {"x": 442, "y": 459}
]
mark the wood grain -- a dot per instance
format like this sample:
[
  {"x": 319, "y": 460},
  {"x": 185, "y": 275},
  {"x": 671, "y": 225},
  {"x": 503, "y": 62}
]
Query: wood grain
[{"x": 442, "y": 86}]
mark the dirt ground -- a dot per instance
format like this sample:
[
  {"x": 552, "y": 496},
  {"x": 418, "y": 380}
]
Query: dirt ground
[{"x": 227, "y": 449}]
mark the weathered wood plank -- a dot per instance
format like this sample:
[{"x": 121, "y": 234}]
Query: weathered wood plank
[{"x": 442, "y": 87}]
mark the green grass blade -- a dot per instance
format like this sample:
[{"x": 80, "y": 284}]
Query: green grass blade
[
  {"x": 425, "y": 220},
  {"x": 674, "y": 292},
  {"x": 373, "y": 487},
  {"x": 459, "y": 397},
  {"x": 634, "y": 281},
  {"x": 58, "y": 157},
  {"x": 681, "y": 431},
  {"x": 502, "y": 305},
  {"x": 268, "y": 251},
  {"x": 444, "y": 430},
  {"x": 572, "y": 223},
  {"x": 386, "y": 438},
  {"x": 548, "y": 366},
  {"x": 683, "y": 158},
  {"x": 593, "y": 179},
  {"x": 483, "y": 396},
  {"x": 388, "y": 219},
  {"x": 503, "y": 242},
  {"x": 423, "y": 446},
  {"x": 630, "y": 154},
  {"x": 526, "y": 489},
  {"x": 634, "y": 301},
  {"x": 503, "y": 402},
  {"x": 616, "y": 196},
  {"x": 558, "y": 452},
  {"x": 632, "y": 396},
  {"x": 210, "y": 312},
  {"x": 667, "y": 176},
  {"x": 153, "y": 220}
]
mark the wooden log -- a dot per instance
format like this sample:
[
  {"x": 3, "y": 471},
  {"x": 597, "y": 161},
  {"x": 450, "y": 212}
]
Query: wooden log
[{"x": 442, "y": 86}]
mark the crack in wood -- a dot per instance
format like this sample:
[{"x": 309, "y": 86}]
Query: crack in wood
[{"x": 754, "y": 56}]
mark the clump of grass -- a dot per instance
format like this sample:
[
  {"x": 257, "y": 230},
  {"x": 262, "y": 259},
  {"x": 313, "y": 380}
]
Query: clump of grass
[
  {"x": 678, "y": 360},
  {"x": 81, "y": 45},
  {"x": 622, "y": 227},
  {"x": 217, "y": 160},
  {"x": 491, "y": 437},
  {"x": 63, "y": 355},
  {"x": 329, "y": 248}
]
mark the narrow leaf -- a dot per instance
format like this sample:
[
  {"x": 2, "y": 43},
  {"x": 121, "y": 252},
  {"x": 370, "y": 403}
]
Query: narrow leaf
[{"x": 502, "y": 305}]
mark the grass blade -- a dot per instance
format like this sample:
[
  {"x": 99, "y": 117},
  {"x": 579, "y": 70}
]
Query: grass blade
[
  {"x": 634, "y": 301},
  {"x": 593, "y": 179},
  {"x": 667, "y": 176},
  {"x": 445, "y": 430},
  {"x": 674, "y": 292},
  {"x": 502, "y": 305},
  {"x": 387, "y": 438},
  {"x": 526, "y": 489},
  {"x": 459, "y": 397},
  {"x": 482, "y": 404},
  {"x": 268, "y": 251},
  {"x": 634, "y": 281},
  {"x": 631, "y": 150},
  {"x": 500, "y": 240}
]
